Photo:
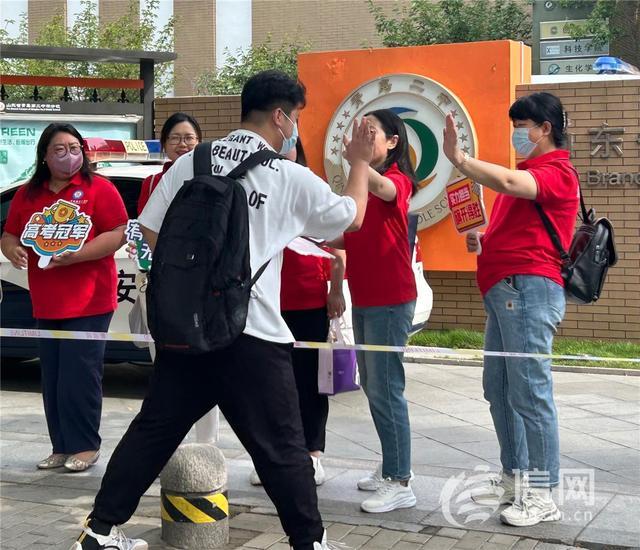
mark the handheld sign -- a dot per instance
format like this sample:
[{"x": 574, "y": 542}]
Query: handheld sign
[
  {"x": 143, "y": 251},
  {"x": 59, "y": 228},
  {"x": 466, "y": 205}
]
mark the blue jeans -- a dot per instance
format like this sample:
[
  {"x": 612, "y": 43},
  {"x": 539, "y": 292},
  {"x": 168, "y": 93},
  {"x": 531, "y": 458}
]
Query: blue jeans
[
  {"x": 523, "y": 313},
  {"x": 382, "y": 379}
]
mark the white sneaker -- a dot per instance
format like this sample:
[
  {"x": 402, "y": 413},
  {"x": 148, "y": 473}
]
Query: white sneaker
[
  {"x": 535, "y": 506},
  {"x": 318, "y": 471},
  {"x": 254, "y": 478},
  {"x": 499, "y": 490},
  {"x": 115, "y": 540},
  {"x": 373, "y": 480},
  {"x": 327, "y": 545},
  {"x": 391, "y": 495}
]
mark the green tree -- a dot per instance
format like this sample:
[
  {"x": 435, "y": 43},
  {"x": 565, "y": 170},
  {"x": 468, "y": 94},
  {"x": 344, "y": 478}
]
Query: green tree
[
  {"x": 132, "y": 31},
  {"x": 230, "y": 78},
  {"x": 613, "y": 21},
  {"x": 424, "y": 22}
]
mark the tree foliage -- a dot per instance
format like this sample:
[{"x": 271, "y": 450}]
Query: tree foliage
[
  {"x": 230, "y": 78},
  {"x": 608, "y": 21},
  {"x": 423, "y": 22},
  {"x": 133, "y": 30}
]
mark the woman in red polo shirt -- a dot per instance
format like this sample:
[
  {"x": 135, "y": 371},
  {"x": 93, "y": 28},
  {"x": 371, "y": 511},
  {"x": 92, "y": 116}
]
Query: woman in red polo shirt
[
  {"x": 75, "y": 291},
  {"x": 519, "y": 278},
  {"x": 383, "y": 293}
]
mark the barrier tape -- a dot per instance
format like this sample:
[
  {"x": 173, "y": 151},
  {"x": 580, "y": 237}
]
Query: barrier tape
[{"x": 442, "y": 353}]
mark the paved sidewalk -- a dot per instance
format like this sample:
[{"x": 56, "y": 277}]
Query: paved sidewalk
[{"x": 453, "y": 445}]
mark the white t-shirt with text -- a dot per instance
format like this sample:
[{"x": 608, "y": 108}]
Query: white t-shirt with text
[{"x": 286, "y": 200}]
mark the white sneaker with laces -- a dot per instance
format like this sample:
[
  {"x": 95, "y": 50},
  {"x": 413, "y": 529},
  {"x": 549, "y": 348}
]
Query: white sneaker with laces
[
  {"x": 535, "y": 506},
  {"x": 254, "y": 478},
  {"x": 330, "y": 545},
  {"x": 115, "y": 540},
  {"x": 373, "y": 480},
  {"x": 391, "y": 495},
  {"x": 499, "y": 490},
  {"x": 318, "y": 471}
]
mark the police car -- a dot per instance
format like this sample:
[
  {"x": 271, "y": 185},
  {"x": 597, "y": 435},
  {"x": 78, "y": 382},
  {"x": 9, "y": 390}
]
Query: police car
[{"x": 126, "y": 164}]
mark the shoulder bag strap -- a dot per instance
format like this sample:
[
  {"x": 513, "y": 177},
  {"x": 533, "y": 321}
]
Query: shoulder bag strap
[{"x": 202, "y": 159}]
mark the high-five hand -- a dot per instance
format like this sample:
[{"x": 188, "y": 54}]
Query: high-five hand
[
  {"x": 360, "y": 146},
  {"x": 450, "y": 142}
]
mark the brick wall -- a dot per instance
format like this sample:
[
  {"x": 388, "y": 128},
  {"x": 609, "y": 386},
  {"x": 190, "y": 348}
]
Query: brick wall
[
  {"x": 110, "y": 10},
  {"x": 616, "y": 315},
  {"x": 217, "y": 115},
  {"x": 195, "y": 42},
  {"x": 327, "y": 24},
  {"x": 457, "y": 302},
  {"x": 40, "y": 12}
]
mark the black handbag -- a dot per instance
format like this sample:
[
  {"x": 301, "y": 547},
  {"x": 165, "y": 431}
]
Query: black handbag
[{"x": 592, "y": 252}]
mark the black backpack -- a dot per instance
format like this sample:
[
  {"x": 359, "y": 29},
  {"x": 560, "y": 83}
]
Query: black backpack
[
  {"x": 592, "y": 252},
  {"x": 200, "y": 278}
]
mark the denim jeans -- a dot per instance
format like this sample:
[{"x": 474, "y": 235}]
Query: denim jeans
[
  {"x": 523, "y": 313},
  {"x": 382, "y": 379}
]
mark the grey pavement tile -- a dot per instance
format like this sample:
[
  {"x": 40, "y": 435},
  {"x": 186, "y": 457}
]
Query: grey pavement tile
[
  {"x": 404, "y": 545},
  {"x": 616, "y": 524},
  {"x": 452, "y": 533},
  {"x": 426, "y": 451},
  {"x": 383, "y": 540},
  {"x": 608, "y": 459},
  {"x": 418, "y": 538},
  {"x": 461, "y": 434},
  {"x": 525, "y": 544},
  {"x": 355, "y": 541},
  {"x": 507, "y": 540},
  {"x": 627, "y": 438},
  {"x": 440, "y": 543},
  {"x": 601, "y": 424}
]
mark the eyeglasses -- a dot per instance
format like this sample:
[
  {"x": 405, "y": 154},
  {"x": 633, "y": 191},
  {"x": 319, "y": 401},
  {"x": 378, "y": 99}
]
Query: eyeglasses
[
  {"x": 189, "y": 139},
  {"x": 61, "y": 150}
]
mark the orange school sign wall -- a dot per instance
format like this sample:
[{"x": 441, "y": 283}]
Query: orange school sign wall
[{"x": 476, "y": 81}]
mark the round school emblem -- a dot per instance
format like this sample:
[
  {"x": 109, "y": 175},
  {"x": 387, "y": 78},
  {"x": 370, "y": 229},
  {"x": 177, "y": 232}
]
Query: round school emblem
[
  {"x": 423, "y": 105},
  {"x": 78, "y": 194}
]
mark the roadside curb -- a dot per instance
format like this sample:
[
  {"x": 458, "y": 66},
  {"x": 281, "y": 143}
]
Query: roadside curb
[{"x": 416, "y": 358}]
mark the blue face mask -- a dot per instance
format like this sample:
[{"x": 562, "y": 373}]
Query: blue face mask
[
  {"x": 289, "y": 142},
  {"x": 521, "y": 142}
]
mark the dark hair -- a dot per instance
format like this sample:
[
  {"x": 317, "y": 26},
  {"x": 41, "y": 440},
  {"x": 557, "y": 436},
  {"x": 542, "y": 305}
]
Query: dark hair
[
  {"x": 269, "y": 90},
  {"x": 542, "y": 107},
  {"x": 393, "y": 125},
  {"x": 42, "y": 173},
  {"x": 175, "y": 119},
  {"x": 301, "y": 158}
]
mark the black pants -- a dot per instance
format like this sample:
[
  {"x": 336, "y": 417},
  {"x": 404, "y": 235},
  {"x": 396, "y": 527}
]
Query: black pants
[
  {"x": 252, "y": 381},
  {"x": 72, "y": 384},
  {"x": 310, "y": 325}
]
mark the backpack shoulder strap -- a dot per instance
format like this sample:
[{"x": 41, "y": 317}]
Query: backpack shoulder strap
[
  {"x": 202, "y": 159},
  {"x": 251, "y": 161},
  {"x": 553, "y": 234}
]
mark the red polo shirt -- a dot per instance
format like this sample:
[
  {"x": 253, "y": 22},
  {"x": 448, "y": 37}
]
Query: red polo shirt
[
  {"x": 304, "y": 281},
  {"x": 78, "y": 290},
  {"x": 516, "y": 242},
  {"x": 378, "y": 260}
]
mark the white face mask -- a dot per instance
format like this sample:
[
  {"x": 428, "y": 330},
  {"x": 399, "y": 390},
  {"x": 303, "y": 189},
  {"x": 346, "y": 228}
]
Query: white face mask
[
  {"x": 521, "y": 142},
  {"x": 289, "y": 143}
]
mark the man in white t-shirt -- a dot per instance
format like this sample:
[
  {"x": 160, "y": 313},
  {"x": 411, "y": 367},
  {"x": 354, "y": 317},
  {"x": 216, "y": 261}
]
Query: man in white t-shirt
[{"x": 251, "y": 380}]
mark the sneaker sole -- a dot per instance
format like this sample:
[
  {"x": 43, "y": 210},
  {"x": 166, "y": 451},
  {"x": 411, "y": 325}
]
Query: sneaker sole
[
  {"x": 408, "y": 502},
  {"x": 551, "y": 516},
  {"x": 368, "y": 488},
  {"x": 492, "y": 501}
]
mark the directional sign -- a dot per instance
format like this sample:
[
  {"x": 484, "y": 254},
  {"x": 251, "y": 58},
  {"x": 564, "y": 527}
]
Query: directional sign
[
  {"x": 557, "y": 49},
  {"x": 581, "y": 65}
]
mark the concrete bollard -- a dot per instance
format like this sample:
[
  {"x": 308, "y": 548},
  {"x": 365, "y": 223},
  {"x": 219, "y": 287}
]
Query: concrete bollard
[{"x": 194, "y": 505}]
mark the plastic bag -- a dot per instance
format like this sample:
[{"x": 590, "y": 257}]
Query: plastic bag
[
  {"x": 138, "y": 313},
  {"x": 337, "y": 368}
]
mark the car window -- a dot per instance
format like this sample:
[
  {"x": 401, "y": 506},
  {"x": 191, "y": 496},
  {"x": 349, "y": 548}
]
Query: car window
[
  {"x": 129, "y": 189},
  {"x": 5, "y": 201}
]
